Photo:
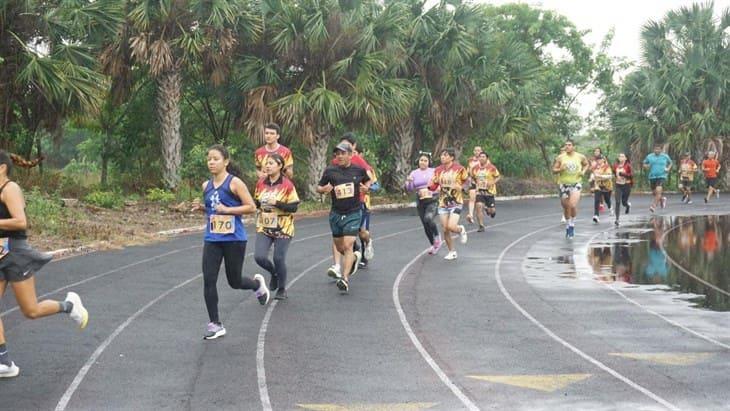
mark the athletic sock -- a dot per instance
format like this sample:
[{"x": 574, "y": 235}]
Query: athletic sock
[
  {"x": 571, "y": 222},
  {"x": 4, "y": 356},
  {"x": 66, "y": 306}
]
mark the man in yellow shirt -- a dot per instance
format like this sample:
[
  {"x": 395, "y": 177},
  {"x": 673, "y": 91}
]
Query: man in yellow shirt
[{"x": 570, "y": 168}]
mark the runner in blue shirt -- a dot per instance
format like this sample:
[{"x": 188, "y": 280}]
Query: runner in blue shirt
[{"x": 658, "y": 164}]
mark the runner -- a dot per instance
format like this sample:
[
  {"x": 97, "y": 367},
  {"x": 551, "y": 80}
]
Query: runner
[
  {"x": 658, "y": 164},
  {"x": 484, "y": 177},
  {"x": 687, "y": 170},
  {"x": 711, "y": 167},
  {"x": 624, "y": 180},
  {"x": 345, "y": 182},
  {"x": 472, "y": 162},
  {"x": 366, "y": 241},
  {"x": 364, "y": 233},
  {"x": 449, "y": 178},
  {"x": 593, "y": 161},
  {"x": 226, "y": 198},
  {"x": 570, "y": 168},
  {"x": 603, "y": 178},
  {"x": 272, "y": 132},
  {"x": 562, "y": 215},
  {"x": 426, "y": 200},
  {"x": 19, "y": 262},
  {"x": 276, "y": 199}
]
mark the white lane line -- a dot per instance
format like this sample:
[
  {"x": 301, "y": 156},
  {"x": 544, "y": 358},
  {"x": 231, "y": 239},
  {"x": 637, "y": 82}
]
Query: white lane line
[
  {"x": 571, "y": 347},
  {"x": 63, "y": 402},
  {"x": 468, "y": 403},
  {"x": 97, "y": 353},
  {"x": 261, "y": 342},
  {"x": 97, "y": 276},
  {"x": 652, "y": 312},
  {"x": 684, "y": 270}
]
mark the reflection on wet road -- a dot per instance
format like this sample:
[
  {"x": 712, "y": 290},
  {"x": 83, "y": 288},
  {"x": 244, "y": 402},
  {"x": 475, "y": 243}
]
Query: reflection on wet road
[{"x": 633, "y": 254}]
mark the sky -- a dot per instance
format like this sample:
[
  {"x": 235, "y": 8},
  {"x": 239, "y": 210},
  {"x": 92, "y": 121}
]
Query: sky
[{"x": 626, "y": 17}]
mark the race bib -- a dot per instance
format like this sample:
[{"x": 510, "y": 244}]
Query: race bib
[
  {"x": 269, "y": 220},
  {"x": 346, "y": 190},
  {"x": 448, "y": 182},
  {"x": 222, "y": 224},
  {"x": 482, "y": 185},
  {"x": 424, "y": 193},
  {"x": 4, "y": 248}
]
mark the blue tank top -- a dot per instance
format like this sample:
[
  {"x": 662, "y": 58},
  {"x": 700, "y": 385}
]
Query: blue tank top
[{"x": 222, "y": 227}]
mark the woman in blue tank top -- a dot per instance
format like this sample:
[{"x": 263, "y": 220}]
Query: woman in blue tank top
[
  {"x": 19, "y": 261},
  {"x": 226, "y": 199}
]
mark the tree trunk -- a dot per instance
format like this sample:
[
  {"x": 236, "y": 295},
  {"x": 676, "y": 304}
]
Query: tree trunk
[
  {"x": 104, "y": 168},
  {"x": 318, "y": 161},
  {"x": 168, "y": 113},
  {"x": 402, "y": 149}
]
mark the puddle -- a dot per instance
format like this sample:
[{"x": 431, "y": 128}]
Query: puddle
[{"x": 699, "y": 244}]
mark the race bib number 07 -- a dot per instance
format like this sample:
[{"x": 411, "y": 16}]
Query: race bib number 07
[
  {"x": 221, "y": 224},
  {"x": 424, "y": 193},
  {"x": 346, "y": 190},
  {"x": 269, "y": 220}
]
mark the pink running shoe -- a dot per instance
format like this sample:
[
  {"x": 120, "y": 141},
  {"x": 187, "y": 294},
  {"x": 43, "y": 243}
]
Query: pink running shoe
[{"x": 435, "y": 247}]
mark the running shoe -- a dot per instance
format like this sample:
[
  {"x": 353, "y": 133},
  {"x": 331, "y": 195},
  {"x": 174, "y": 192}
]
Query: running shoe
[
  {"x": 610, "y": 211},
  {"x": 494, "y": 214},
  {"x": 273, "y": 283},
  {"x": 356, "y": 263},
  {"x": 9, "y": 371},
  {"x": 462, "y": 234},
  {"x": 334, "y": 272},
  {"x": 562, "y": 219},
  {"x": 717, "y": 194},
  {"x": 705, "y": 200},
  {"x": 628, "y": 207},
  {"x": 369, "y": 252},
  {"x": 451, "y": 255},
  {"x": 616, "y": 223},
  {"x": 571, "y": 232},
  {"x": 480, "y": 229},
  {"x": 214, "y": 331},
  {"x": 684, "y": 198},
  {"x": 78, "y": 312},
  {"x": 689, "y": 201},
  {"x": 595, "y": 219},
  {"x": 281, "y": 294},
  {"x": 435, "y": 247},
  {"x": 664, "y": 202},
  {"x": 363, "y": 263},
  {"x": 343, "y": 285},
  {"x": 262, "y": 293}
]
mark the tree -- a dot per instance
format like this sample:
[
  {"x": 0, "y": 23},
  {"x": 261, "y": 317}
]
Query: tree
[{"x": 168, "y": 38}]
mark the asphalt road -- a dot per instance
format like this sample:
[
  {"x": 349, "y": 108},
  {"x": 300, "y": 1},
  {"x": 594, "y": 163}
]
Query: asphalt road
[{"x": 517, "y": 322}]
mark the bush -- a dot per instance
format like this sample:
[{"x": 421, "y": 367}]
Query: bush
[
  {"x": 105, "y": 199},
  {"x": 45, "y": 213},
  {"x": 159, "y": 195}
]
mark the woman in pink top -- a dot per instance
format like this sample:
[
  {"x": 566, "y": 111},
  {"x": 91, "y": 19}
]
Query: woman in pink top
[{"x": 426, "y": 200}]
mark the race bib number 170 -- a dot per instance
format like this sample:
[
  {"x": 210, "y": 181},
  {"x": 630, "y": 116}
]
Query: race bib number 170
[{"x": 221, "y": 224}]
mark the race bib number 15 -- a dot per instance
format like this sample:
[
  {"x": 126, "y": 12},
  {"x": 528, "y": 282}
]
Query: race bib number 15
[
  {"x": 221, "y": 224},
  {"x": 346, "y": 190}
]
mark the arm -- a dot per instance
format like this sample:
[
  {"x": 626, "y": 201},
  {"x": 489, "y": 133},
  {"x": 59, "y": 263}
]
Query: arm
[
  {"x": 197, "y": 205},
  {"x": 324, "y": 185},
  {"x": 557, "y": 166},
  {"x": 12, "y": 196}
]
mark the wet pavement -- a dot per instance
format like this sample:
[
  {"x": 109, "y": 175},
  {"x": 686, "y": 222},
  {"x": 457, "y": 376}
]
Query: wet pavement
[{"x": 686, "y": 254}]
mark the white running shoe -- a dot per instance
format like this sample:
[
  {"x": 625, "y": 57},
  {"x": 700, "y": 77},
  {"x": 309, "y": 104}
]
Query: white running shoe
[
  {"x": 369, "y": 252},
  {"x": 9, "y": 371},
  {"x": 214, "y": 331},
  {"x": 562, "y": 219},
  {"x": 451, "y": 255},
  {"x": 610, "y": 211},
  {"x": 462, "y": 234},
  {"x": 334, "y": 272},
  {"x": 78, "y": 312},
  {"x": 595, "y": 219},
  {"x": 262, "y": 293}
]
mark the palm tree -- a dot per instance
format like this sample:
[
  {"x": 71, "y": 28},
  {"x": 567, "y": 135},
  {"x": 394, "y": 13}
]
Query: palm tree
[
  {"x": 679, "y": 93},
  {"x": 169, "y": 39}
]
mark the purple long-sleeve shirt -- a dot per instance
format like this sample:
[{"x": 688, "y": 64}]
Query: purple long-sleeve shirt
[{"x": 420, "y": 179}]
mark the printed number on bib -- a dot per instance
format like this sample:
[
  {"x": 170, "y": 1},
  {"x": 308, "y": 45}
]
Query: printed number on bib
[
  {"x": 482, "y": 185},
  {"x": 221, "y": 224},
  {"x": 346, "y": 190},
  {"x": 424, "y": 193},
  {"x": 269, "y": 220}
]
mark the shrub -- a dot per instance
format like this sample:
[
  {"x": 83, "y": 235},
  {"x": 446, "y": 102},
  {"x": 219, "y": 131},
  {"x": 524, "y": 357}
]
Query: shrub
[
  {"x": 45, "y": 213},
  {"x": 160, "y": 195},
  {"x": 105, "y": 199}
]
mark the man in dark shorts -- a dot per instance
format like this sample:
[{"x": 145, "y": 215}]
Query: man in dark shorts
[
  {"x": 658, "y": 163},
  {"x": 484, "y": 178},
  {"x": 345, "y": 182}
]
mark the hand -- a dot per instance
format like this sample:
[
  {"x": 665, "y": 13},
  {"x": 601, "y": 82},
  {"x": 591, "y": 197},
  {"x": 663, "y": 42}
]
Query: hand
[
  {"x": 197, "y": 205},
  {"x": 221, "y": 209},
  {"x": 327, "y": 188},
  {"x": 409, "y": 179},
  {"x": 364, "y": 188}
]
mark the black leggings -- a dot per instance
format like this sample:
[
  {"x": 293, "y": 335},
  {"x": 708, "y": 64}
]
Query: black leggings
[
  {"x": 427, "y": 212},
  {"x": 623, "y": 191},
  {"x": 261, "y": 254},
  {"x": 233, "y": 253},
  {"x": 597, "y": 196}
]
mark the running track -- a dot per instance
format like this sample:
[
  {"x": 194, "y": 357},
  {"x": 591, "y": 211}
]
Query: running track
[{"x": 500, "y": 328}]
